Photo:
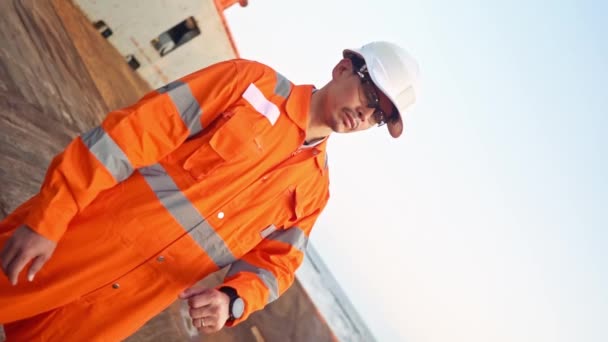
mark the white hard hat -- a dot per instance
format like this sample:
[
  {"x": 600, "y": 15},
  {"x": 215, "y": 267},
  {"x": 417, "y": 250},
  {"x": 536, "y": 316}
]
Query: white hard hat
[{"x": 396, "y": 73}]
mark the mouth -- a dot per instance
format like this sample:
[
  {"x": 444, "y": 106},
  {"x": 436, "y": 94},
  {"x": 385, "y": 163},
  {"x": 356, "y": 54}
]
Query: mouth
[{"x": 349, "y": 120}]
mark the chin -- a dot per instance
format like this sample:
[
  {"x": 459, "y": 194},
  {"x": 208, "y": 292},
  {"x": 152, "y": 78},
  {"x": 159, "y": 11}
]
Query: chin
[
  {"x": 343, "y": 130},
  {"x": 338, "y": 128}
]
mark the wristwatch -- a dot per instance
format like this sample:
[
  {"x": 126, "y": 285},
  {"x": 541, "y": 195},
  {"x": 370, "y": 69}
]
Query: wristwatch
[{"x": 236, "y": 308}]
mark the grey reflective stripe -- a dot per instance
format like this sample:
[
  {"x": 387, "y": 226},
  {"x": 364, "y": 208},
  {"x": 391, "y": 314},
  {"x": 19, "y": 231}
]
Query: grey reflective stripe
[
  {"x": 269, "y": 280},
  {"x": 187, "y": 215},
  {"x": 283, "y": 87},
  {"x": 186, "y": 104},
  {"x": 267, "y": 231},
  {"x": 105, "y": 149},
  {"x": 293, "y": 236}
]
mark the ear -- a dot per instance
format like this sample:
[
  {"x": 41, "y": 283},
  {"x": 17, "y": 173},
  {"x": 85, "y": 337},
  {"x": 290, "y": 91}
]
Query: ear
[{"x": 344, "y": 67}]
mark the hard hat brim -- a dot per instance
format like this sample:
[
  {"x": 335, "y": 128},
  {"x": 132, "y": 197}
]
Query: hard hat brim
[{"x": 395, "y": 127}]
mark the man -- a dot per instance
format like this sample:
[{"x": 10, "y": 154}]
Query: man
[{"x": 224, "y": 167}]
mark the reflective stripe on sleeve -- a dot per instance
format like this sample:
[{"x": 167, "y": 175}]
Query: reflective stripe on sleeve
[
  {"x": 105, "y": 149},
  {"x": 187, "y": 106},
  {"x": 267, "y": 231},
  {"x": 293, "y": 236},
  {"x": 269, "y": 280},
  {"x": 283, "y": 87}
]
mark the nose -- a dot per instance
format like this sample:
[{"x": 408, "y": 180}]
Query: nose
[{"x": 364, "y": 113}]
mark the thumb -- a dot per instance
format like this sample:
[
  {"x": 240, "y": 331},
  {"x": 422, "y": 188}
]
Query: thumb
[
  {"x": 193, "y": 291},
  {"x": 37, "y": 264}
]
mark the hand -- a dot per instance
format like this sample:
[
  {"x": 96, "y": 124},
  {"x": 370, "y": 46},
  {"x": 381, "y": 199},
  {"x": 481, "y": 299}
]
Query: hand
[
  {"x": 22, "y": 247},
  {"x": 208, "y": 308}
]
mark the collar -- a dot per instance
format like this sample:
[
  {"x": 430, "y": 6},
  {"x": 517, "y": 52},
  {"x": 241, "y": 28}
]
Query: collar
[
  {"x": 298, "y": 105},
  {"x": 315, "y": 143},
  {"x": 321, "y": 157},
  {"x": 297, "y": 108}
]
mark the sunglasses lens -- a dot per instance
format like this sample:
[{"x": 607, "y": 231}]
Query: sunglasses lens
[{"x": 372, "y": 99}]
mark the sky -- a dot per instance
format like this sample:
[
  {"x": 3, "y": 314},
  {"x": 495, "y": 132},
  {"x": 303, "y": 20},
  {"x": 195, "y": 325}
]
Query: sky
[{"x": 487, "y": 220}]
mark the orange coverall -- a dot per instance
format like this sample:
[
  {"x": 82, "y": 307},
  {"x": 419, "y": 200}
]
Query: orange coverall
[{"x": 205, "y": 172}]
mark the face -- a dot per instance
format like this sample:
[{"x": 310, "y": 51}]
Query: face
[{"x": 348, "y": 105}]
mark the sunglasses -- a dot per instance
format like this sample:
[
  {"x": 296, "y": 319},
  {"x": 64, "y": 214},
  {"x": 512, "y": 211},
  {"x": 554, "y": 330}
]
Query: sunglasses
[{"x": 370, "y": 91}]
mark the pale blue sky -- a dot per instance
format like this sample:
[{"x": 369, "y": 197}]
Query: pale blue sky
[{"x": 487, "y": 221}]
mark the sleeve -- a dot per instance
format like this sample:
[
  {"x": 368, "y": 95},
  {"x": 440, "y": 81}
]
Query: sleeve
[
  {"x": 268, "y": 270},
  {"x": 130, "y": 138}
]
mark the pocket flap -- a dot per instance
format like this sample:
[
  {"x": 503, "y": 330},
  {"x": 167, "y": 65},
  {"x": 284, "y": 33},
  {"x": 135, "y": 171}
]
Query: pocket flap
[
  {"x": 299, "y": 203},
  {"x": 234, "y": 137}
]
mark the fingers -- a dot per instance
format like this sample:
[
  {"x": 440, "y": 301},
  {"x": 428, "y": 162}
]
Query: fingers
[
  {"x": 207, "y": 325},
  {"x": 24, "y": 246},
  {"x": 193, "y": 291},
  {"x": 205, "y": 311},
  {"x": 7, "y": 255},
  {"x": 36, "y": 266},
  {"x": 201, "y": 297},
  {"x": 16, "y": 266},
  {"x": 208, "y": 309},
  {"x": 205, "y": 322}
]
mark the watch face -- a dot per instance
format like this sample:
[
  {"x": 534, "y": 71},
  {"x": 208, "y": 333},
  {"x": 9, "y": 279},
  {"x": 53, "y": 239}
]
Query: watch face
[{"x": 238, "y": 308}]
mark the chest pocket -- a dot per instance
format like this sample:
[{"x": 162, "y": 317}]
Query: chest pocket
[
  {"x": 298, "y": 206},
  {"x": 237, "y": 140}
]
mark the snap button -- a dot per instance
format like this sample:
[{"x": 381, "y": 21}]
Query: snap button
[
  {"x": 160, "y": 258},
  {"x": 116, "y": 286},
  {"x": 220, "y": 215}
]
